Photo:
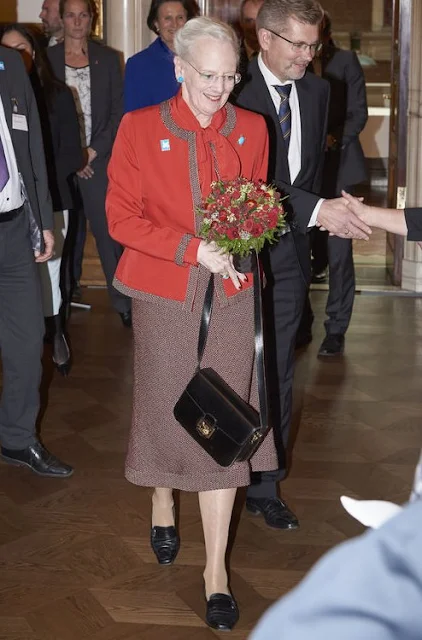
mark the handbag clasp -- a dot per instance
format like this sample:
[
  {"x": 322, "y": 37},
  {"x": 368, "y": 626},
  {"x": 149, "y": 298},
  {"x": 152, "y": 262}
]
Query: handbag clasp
[{"x": 205, "y": 428}]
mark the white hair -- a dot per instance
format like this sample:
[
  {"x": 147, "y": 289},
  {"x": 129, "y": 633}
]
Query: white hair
[{"x": 201, "y": 28}]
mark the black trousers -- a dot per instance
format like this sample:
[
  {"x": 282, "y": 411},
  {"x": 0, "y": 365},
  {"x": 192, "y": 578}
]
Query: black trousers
[
  {"x": 93, "y": 194},
  {"x": 284, "y": 298},
  {"x": 337, "y": 254},
  {"x": 21, "y": 335}
]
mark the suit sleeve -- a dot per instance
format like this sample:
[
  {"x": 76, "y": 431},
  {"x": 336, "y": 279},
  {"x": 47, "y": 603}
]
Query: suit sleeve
[
  {"x": 413, "y": 218},
  {"x": 36, "y": 150},
  {"x": 317, "y": 182},
  {"x": 101, "y": 143},
  {"x": 70, "y": 157},
  {"x": 357, "y": 108},
  {"x": 125, "y": 210}
]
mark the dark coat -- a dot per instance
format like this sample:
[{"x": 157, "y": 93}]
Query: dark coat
[
  {"x": 61, "y": 137},
  {"x": 106, "y": 93},
  {"x": 345, "y": 164},
  {"x": 16, "y": 91}
]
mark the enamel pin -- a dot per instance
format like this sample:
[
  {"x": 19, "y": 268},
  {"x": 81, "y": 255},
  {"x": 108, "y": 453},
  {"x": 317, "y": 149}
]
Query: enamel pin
[
  {"x": 165, "y": 145},
  {"x": 241, "y": 140}
]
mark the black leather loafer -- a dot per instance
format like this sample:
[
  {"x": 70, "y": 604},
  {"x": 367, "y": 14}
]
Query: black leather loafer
[
  {"x": 332, "y": 345},
  {"x": 165, "y": 543},
  {"x": 222, "y": 612},
  {"x": 276, "y": 512},
  {"x": 38, "y": 459}
]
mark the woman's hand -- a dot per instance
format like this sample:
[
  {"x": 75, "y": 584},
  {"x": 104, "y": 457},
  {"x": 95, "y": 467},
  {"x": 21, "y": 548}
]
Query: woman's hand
[
  {"x": 356, "y": 206},
  {"x": 216, "y": 261}
]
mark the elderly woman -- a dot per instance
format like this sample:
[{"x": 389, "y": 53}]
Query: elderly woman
[
  {"x": 94, "y": 74},
  {"x": 149, "y": 75},
  {"x": 163, "y": 163}
]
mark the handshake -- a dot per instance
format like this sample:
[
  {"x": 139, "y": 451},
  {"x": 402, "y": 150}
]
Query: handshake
[{"x": 344, "y": 217}]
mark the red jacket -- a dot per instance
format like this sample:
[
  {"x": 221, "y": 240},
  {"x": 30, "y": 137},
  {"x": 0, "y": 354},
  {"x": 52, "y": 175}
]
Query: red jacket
[{"x": 162, "y": 163}]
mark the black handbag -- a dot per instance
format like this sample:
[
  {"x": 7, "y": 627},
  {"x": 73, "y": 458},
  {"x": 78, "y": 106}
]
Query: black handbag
[{"x": 225, "y": 426}]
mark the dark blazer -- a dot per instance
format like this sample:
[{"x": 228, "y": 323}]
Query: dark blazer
[
  {"x": 61, "y": 137},
  {"x": 106, "y": 92},
  {"x": 16, "y": 91},
  {"x": 348, "y": 113},
  {"x": 313, "y": 96}
]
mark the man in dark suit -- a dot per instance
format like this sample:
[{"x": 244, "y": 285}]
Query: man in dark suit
[
  {"x": 288, "y": 33},
  {"x": 344, "y": 168},
  {"x": 21, "y": 318}
]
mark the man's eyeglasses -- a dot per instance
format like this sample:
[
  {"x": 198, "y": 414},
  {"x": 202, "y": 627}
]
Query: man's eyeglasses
[
  {"x": 229, "y": 79},
  {"x": 299, "y": 46}
]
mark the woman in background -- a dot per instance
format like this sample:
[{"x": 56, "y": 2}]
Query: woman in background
[
  {"x": 94, "y": 74},
  {"x": 63, "y": 153},
  {"x": 149, "y": 75}
]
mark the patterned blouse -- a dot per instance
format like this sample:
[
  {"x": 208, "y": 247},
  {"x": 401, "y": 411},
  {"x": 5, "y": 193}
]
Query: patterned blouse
[{"x": 78, "y": 79}]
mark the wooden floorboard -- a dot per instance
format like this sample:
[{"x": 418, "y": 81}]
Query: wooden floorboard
[{"x": 75, "y": 561}]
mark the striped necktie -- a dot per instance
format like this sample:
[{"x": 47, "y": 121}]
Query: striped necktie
[
  {"x": 284, "y": 113},
  {"x": 4, "y": 171}
]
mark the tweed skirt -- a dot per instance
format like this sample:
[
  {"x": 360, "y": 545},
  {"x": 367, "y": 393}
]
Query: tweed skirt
[{"x": 161, "y": 453}]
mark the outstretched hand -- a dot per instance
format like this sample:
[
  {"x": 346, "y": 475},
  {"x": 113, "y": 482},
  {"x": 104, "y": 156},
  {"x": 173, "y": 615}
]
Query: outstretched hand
[{"x": 338, "y": 218}]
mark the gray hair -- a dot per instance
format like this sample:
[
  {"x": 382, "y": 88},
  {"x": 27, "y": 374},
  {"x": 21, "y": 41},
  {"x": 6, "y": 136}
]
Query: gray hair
[
  {"x": 200, "y": 28},
  {"x": 275, "y": 13}
]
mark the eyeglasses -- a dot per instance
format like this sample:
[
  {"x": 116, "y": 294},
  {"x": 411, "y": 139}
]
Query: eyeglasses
[
  {"x": 299, "y": 46},
  {"x": 210, "y": 78}
]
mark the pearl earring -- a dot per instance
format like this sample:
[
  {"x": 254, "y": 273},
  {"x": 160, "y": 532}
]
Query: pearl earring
[{"x": 180, "y": 79}]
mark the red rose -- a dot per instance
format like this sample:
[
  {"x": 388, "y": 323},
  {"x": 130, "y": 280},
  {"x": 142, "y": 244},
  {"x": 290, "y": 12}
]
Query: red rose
[
  {"x": 222, "y": 216},
  {"x": 248, "y": 225},
  {"x": 232, "y": 234},
  {"x": 257, "y": 230}
]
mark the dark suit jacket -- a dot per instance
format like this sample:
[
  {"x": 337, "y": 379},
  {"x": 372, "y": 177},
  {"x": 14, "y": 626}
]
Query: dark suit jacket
[
  {"x": 61, "y": 137},
  {"x": 348, "y": 113},
  {"x": 313, "y": 96},
  {"x": 106, "y": 92},
  {"x": 15, "y": 89}
]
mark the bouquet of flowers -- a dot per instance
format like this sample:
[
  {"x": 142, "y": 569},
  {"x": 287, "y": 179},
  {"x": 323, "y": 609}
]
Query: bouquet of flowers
[{"x": 240, "y": 215}]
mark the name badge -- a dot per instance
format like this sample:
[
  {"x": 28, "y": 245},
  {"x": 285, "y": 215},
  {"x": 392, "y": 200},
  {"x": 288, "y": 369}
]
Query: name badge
[{"x": 19, "y": 122}]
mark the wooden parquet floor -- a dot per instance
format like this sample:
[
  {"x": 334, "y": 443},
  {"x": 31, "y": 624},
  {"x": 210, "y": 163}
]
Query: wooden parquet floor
[{"x": 75, "y": 562}]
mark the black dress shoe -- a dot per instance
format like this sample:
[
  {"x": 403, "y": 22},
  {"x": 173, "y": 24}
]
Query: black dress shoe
[
  {"x": 320, "y": 277},
  {"x": 276, "y": 512},
  {"x": 126, "y": 317},
  {"x": 165, "y": 543},
  {"x": 38, "y": 459},
  {"x": 332, "y": 345},
  {"x": 222, "y": 612}
]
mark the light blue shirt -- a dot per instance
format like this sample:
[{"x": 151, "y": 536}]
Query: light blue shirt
[{"x": 369, "y": 588}]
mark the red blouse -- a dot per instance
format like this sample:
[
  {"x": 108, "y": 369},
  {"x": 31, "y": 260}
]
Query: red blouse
[{"x": 162, "y": 165}]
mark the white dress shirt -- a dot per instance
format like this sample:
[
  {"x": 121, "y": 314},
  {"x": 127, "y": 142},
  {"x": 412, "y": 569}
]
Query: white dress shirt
[
  {"x": 11, "y": 196},
  {"x": 295, "y": 144}
]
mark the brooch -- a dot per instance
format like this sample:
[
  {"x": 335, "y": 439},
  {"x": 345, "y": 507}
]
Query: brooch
[
  {"x": 241, "y": 140},
  {"x": 165, "y": 145}
]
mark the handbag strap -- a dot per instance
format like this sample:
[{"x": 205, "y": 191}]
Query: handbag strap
[{"x": 259, "y": 337}]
